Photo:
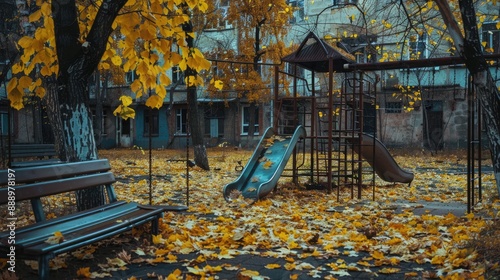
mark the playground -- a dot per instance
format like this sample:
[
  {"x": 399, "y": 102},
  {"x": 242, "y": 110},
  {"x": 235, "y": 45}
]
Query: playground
[{"x": 320, "y": 196}]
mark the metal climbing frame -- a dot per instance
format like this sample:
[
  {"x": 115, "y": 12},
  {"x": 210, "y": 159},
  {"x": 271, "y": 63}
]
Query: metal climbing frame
[
  {"x": 474, "y": 147},
  {"x": 334, "y": 121}
]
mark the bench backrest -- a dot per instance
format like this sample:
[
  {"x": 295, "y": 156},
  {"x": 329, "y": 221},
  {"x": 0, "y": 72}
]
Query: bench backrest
[
  {"x": 32, "y": 183},
  {"x": 32, "y": 150}
]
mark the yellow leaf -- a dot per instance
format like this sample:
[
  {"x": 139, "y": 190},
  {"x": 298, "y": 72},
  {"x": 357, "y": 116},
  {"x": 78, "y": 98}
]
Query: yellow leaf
[
  {"x": 272, "y": 266},
  {"x": 35, "y": 16},
  {"x": 154, "y": 101},
  {"x": 40, "y": 92},
  {"x": 438, "y": 260},
  {"x": 389, "y": 270},
  {"x": 16, "y": 99},
  {"x": 126, "y": 100},
  {"x": 158, "y": 239},
  {"x": 249, "y": 273},
  {"x": 104, "y": 65},
  {"x": 25, "y": 82},
  {"x": 12, "y": 84},
  {"x": 174, "y": 275},
  {"x": 183, "y": 65},
  {"x": 267, "y": 164},
  {"x": 83, "y": 272},
  {"x": 56, "y": 238},
  {"x": 219, "y": 84},
  {"x": 378, "y": 255},
  {"x": 25, "y": 42},
  {"x": 164, "y": 80},
  {"x": 117, "y": 61}
]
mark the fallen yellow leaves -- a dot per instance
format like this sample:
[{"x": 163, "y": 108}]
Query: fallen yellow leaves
[
  {"x": 293, "y": 224},
  {"x": 83, "y": 272}
]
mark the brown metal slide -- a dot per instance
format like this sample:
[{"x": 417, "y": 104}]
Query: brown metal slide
[{"x": 379, "y": 158}]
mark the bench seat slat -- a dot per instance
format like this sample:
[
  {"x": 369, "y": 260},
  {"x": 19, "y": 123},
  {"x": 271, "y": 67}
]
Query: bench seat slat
[
  {"x": 62, "y": 219},
  {"x": 99, "y": 230},
  {"x": 42, "y": 233}
]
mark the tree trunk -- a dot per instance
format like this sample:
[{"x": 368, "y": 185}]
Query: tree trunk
[
  {"x": 98, "y": 129},
  {"x": 76, "y": 64},
  {"x": 195, "y": 128},
  {"x": 470, "y": 49}
]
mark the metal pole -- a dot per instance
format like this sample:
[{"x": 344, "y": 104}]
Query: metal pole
[
  {"x": 150, "y": 124},
  {"x": 187, "y": 158},
  {"x": 469, "y": 140}
]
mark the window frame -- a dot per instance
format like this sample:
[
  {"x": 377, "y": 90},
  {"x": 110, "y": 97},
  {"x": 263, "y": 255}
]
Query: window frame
[
  {"x": 419, "y": 45},
  {"x": 181, "y": 121},
  {"x": 244, "y": 121},
  {"x": 489, "y": 29},
  {"x": 104, "y": 131},
  {"x": 298, "y": 14},
  {"x": 393, "y": 107}
]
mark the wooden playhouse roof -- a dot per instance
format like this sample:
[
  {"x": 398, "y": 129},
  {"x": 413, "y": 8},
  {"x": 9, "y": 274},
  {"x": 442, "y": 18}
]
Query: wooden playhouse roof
[{"x": 314, "y": 54}]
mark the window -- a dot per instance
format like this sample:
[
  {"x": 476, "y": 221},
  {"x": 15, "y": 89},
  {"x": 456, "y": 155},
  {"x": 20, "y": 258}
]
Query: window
[
  {"x": 102, "y": 121},
  {"x": 290, "y": 69},
  {"x": 418, "y": 47},
  {"x": 130, "y": 77},
  {"x": 221, "y": 22},
  {"x": 298, "y": 10},
  {"x": 365, "y": 56},
  {"x": 151, "y": 120},
  {"x": 393, "y": 107},
  {"x": 491, "y": 37},
  {"x": 177, "y": 75},
  {"x": 246, "y": 119},
  {"x": 181, "y": 121},
  {"x": 344, "y": 2}
]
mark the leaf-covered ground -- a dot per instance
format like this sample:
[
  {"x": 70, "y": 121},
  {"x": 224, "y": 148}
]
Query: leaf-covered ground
[{"x": 293, "y": 232}]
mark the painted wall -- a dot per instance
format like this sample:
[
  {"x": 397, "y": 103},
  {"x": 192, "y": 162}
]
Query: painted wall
[{"x": 157, "y": 141}]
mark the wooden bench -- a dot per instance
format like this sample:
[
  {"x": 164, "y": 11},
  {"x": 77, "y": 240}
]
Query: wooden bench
[
  {"x": 78, "y": 229},
  {"x": 22, "y": 155}
]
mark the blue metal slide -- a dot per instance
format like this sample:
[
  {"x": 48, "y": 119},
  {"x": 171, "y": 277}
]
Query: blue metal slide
[{"x": 263, "y": 170}]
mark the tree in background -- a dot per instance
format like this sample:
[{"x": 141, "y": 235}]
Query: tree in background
[
  {"x": 261, "y": 30},
  {"x": 74, "y": 40},
  {"x": 10, "y": 32}
]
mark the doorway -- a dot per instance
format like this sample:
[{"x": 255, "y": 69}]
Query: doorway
[{"x": 433, "y": 124}]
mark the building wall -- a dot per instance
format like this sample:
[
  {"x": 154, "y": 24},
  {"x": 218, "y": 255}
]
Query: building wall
[{"x": 141, "y": 138}]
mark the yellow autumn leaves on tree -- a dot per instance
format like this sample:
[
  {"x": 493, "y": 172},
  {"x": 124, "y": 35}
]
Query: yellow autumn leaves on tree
[{"x": 148, "y": 39}]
